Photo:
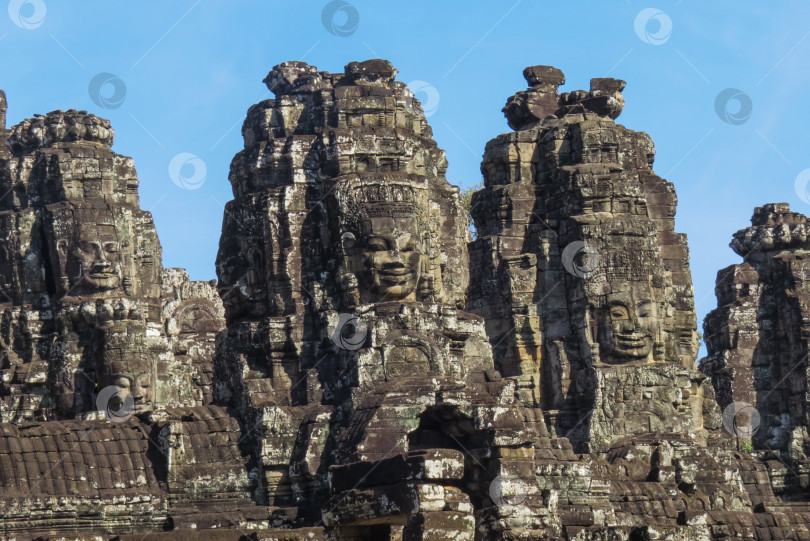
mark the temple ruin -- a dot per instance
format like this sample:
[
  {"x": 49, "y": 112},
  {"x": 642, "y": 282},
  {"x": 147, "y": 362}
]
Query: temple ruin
[{"x": 362, "y": 369}]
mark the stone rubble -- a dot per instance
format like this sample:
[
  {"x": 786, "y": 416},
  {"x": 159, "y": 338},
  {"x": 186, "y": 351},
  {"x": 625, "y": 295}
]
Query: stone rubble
[{"x": 361, "y": 369}]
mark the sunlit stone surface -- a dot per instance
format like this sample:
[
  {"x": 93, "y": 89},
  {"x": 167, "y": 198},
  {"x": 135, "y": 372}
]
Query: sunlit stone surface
[{"x": 362, "y": 369}]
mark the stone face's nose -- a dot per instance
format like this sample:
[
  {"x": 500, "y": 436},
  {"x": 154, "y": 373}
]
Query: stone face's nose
[
  {"x": 137, "y": 390},
  {"x": 394, "y": 258},
  {"x": 627, "y": 326}
]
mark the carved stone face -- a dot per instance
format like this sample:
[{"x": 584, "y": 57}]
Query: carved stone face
[
  {"x": 99, "y": 258},
  {"x": 516, "y": 110},
  {"x": 91, "y": 257},
  {"x": 390, "y": 252},
  {"x": 134, "y": 379},
  {"x": 239, "y": 266},
  {"x": 628, "y": 328}
]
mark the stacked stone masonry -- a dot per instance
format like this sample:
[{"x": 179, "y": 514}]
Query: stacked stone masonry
[{"x": 362, "y": 369}]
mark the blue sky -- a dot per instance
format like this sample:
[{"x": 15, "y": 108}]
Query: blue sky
[{"x": 192, "y": 68}]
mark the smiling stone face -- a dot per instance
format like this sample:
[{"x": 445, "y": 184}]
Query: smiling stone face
[
  {"x": 384, "y": 241},
  {"x": 391, "y": 257},
  {"x": 131, "y": 378},
  {"x": 627, "y": 328},
  {"x": 99, "y": 258},
  {"x": 91, "y": 250}
]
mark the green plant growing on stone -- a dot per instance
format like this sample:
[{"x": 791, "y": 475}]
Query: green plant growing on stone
[{"x": 466, "y": 201}]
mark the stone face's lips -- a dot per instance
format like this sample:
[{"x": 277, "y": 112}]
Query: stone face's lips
[
  {"x": 396, "y": 277},
  {"x": 632, "y": 341},
  {"x": 141, "y": 407},
  {"x": 396, "y": 272}
]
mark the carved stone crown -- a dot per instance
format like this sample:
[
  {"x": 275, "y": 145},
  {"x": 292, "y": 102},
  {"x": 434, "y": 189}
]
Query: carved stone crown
[
  {"x": 385, "y": 200},
  {"x": 616, "y": 267},
  {"x": 60, "y": 127}
]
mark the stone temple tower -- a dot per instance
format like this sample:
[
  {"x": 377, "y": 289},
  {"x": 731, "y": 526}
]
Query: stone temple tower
[
  {"x": 578, "y": 271},
  {"x": 343, "y": 268},
  {"x": 757, "y": 338},
  {"x": 83, "y": 287}
]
